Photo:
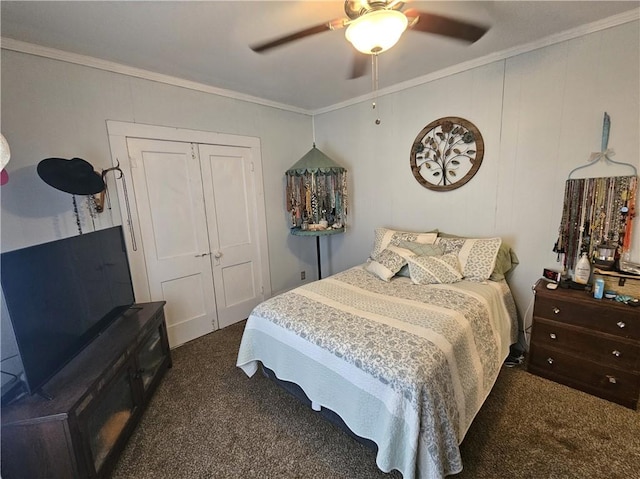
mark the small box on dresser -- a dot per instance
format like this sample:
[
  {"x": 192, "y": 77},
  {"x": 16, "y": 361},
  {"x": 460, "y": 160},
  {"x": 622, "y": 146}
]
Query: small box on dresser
[{"x": 585, "y": 343}]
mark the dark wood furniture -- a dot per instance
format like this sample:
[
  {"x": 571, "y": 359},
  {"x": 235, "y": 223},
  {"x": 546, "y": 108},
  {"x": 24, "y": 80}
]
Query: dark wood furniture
[
  {"x": 588, "y": 344},
  {"x": 96, "y": 401}
]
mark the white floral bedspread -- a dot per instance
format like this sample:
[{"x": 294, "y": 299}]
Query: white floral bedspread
[{"x": 407, "y": 366}]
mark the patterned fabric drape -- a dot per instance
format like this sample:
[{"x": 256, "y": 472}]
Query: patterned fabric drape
[{"x": 597, "y": 211}]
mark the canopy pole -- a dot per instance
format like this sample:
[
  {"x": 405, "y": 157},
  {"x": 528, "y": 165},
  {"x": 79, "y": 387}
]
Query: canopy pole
[{"x": 318, "y": 256}]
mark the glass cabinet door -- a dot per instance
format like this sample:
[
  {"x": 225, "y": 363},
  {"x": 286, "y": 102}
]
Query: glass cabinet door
[
  {"x": 150, "y": 357},
  {"x": 109, "y": 416}
]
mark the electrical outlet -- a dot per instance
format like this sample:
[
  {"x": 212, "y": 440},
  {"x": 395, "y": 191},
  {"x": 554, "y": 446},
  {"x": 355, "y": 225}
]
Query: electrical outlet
[{"x": 303, "y": 275}]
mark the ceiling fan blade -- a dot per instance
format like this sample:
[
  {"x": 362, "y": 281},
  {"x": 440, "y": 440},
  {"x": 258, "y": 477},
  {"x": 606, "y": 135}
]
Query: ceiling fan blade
[
  {"x": 446, "y": 26},
  {"x": 332, "y": 25},
  {"x": 359, "y": 65}
]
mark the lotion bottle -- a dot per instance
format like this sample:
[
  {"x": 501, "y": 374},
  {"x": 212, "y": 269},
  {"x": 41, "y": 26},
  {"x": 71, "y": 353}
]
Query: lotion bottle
[{"x": 583, "y": 270}]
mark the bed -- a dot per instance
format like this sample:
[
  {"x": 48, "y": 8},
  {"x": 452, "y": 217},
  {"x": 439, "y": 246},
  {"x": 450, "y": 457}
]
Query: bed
[{"x": 405, "y": 363}]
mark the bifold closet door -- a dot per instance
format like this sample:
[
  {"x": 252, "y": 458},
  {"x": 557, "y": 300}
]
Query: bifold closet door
[
  {"x": 229, "y": 184},
  {"x": 168, "y": 195}
]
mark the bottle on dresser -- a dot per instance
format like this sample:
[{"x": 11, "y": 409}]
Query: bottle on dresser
[{"x": 582, "y": 272}]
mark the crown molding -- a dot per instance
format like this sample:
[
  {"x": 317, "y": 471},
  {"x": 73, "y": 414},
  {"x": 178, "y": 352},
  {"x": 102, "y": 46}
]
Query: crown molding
[
  {"x": 613, "y": 21},
  {"x": 92, "y": 62},
  {"x": 54, "y": 54}
]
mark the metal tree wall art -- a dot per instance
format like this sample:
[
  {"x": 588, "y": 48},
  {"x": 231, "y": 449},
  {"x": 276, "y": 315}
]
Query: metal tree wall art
[{"x": 447, "y": 153}]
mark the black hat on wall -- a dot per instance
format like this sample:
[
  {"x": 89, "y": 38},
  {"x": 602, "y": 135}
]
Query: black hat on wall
[{"x": 75, "y": 176}]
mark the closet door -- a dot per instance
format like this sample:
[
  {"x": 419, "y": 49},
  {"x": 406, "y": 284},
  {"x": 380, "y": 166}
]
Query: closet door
[
  {"x": 168, "y": 196},
  {"x": 229, "y": 183}
]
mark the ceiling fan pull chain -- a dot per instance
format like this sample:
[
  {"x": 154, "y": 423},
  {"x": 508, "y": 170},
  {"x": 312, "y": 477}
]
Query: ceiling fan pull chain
[{"x": 374, "y": 82}]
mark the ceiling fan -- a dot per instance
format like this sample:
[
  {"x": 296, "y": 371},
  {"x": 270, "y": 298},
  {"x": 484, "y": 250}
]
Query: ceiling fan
[{"x": 373, "y": 26}]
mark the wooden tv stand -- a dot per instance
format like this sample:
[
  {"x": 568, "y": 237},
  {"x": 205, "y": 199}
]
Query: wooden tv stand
[{"x": 96, "y": 401}]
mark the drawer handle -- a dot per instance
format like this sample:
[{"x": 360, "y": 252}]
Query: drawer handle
[
  {"x": 553, "y": 336},
  {"x": 556, "y": 310},
  {"x": 616, "y": 353},
  {"x": 550, "y": 360},
  {"x": 621, "y": 324},
  {"x": 612, "y": 379}
]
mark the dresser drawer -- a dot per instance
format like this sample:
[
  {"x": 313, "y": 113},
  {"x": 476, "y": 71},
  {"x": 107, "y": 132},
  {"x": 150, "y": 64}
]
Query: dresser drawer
[
  {"x": 619, "y": 320},
  {"x": 604, "y": 381},
  {"x": 598, "y": 347}
]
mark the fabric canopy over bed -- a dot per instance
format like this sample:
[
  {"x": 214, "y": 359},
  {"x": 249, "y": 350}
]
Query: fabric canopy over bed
[{"x": 405, "y": 365}]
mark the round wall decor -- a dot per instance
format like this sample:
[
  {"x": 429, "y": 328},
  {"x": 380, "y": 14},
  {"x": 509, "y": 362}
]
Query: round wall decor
[{"x": 447, "y": 153}]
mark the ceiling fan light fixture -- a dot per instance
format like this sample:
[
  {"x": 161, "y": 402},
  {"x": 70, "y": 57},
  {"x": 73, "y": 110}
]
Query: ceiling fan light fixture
[{"x": 376, "y": 31}]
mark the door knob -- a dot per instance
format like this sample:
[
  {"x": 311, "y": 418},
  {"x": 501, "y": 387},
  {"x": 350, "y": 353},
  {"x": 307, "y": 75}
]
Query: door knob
[{"x": 217, "y": 254}]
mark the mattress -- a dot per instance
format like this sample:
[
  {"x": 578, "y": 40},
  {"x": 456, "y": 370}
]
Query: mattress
[{"x": 407, "y": 366}]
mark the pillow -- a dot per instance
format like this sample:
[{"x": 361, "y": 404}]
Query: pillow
[
  {"x": 385, "y": 236},
  {"x": 419, "y": 249},
  {"x": 388, "y": 262},
  {"x": 434, "y": 269},
  {"x": 422, "y": 249},
  {"x": 477, "y": 256},
  {"x": 505, "y": 261}
]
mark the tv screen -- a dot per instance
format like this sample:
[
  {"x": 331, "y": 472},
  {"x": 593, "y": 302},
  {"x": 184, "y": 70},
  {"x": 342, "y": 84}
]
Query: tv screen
[{"x": 61, "y": 295}]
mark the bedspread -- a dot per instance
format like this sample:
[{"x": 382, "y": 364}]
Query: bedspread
[{"x": 407, "y": 366}]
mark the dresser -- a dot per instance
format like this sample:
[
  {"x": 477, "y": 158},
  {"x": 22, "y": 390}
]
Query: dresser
[{"x": 585, "y": 343}]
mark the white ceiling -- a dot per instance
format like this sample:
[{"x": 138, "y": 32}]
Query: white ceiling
[{"x": 208, "y": 41}]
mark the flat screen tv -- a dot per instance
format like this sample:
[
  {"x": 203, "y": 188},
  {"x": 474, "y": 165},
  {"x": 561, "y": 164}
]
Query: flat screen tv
[{"x": 61, "y": 295}]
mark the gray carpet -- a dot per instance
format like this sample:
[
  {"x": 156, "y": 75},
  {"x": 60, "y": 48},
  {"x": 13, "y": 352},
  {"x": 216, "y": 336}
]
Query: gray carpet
[{"x": 208, "y": 420}]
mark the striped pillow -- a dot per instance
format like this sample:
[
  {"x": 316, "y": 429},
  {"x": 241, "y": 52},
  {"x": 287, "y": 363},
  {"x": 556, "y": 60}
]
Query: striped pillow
[
  {"x": 385, "y": 237},
  {"x": 388, "y": 262},
  {"x": 420, "y": 249},
  {"x": 477, "y": 256},
  {"x": 434, "y": 269}
]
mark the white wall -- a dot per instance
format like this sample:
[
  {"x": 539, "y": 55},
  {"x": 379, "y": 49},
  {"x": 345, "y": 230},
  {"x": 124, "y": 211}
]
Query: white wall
[
  {"x": 52, "y": 108},
  {"x": 56, "y": 109},
  {"x": 540, "y": 115}
]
